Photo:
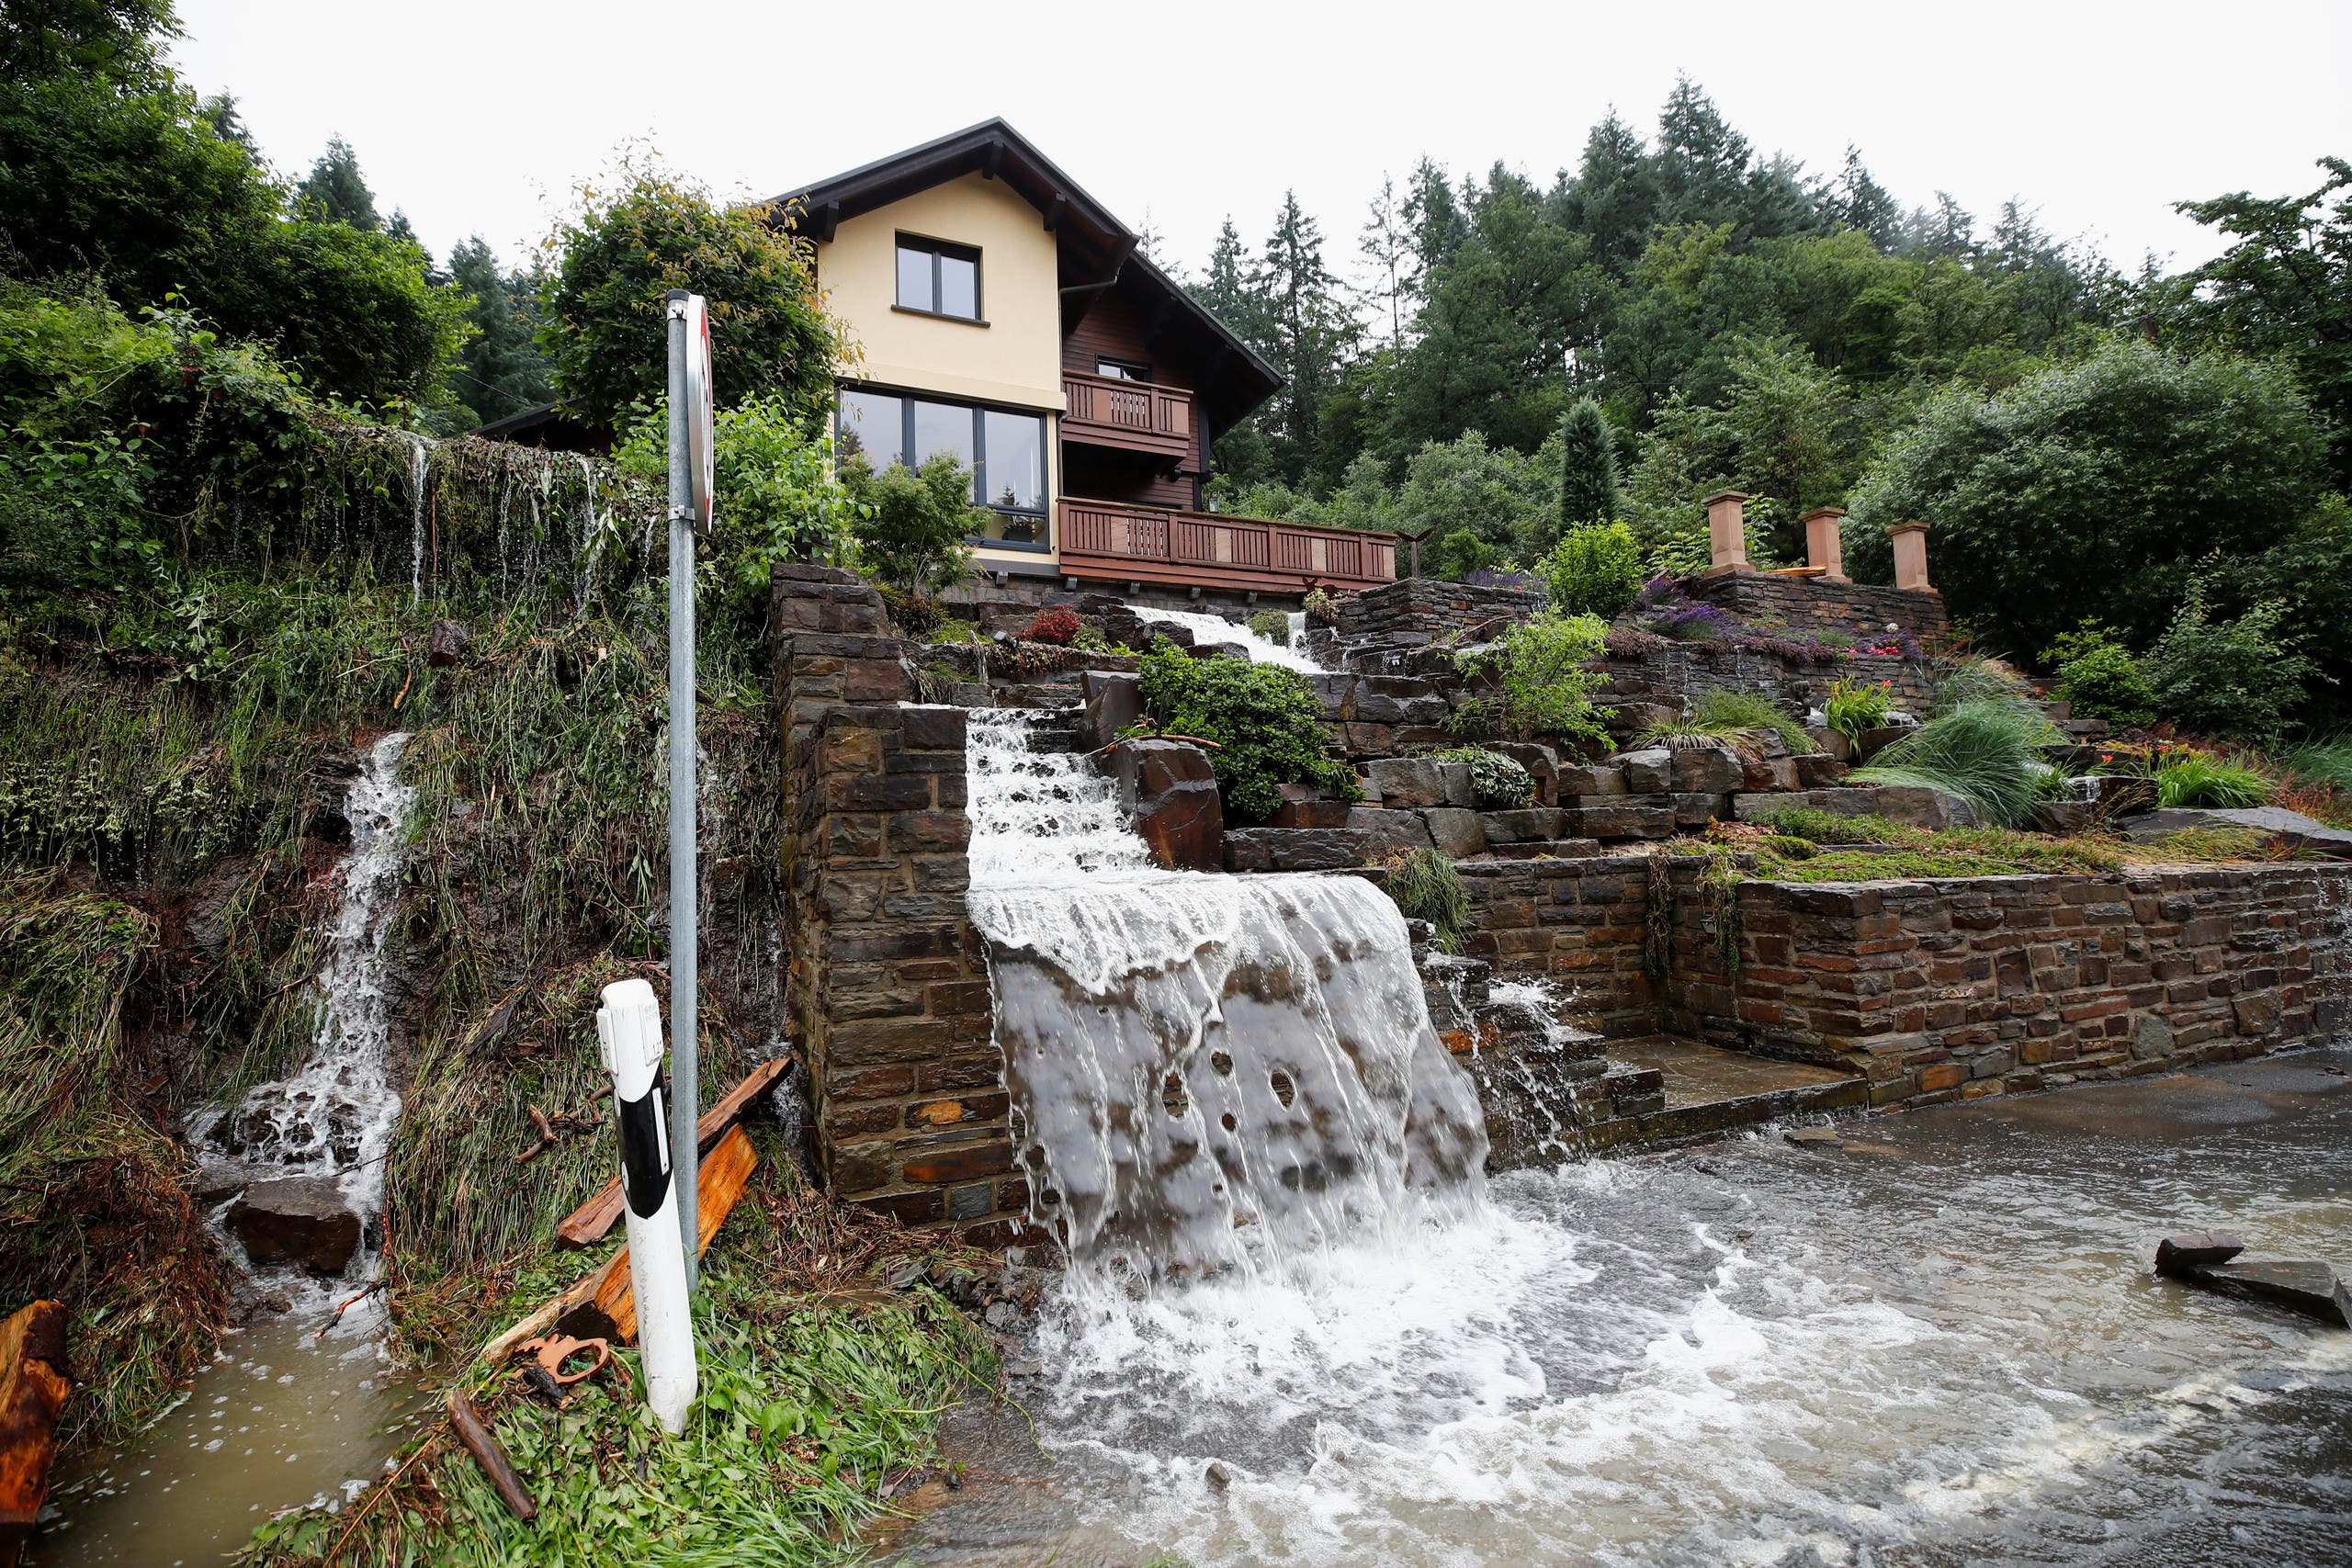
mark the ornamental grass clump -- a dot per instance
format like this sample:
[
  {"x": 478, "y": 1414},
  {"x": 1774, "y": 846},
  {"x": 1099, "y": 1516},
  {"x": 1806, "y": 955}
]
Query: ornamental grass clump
[
  {"x": 2186, "y": 776},
  {"x": 1426, "y": 887},
  {"x": 1988, "y": 753},
  {"x": 1739, "y": 718}
]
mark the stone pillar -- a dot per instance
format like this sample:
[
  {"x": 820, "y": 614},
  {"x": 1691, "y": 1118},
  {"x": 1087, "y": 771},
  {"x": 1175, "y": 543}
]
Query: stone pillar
[
  {"x": 1822, "y": 548},
  {"x": 1910, "y": 555},
  {"x": 1727, "y": 531}
]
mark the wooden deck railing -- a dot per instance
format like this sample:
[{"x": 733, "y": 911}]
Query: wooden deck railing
[
  {"x": 1136, "y": 416},
  {"x": 1147, "y": 544}
]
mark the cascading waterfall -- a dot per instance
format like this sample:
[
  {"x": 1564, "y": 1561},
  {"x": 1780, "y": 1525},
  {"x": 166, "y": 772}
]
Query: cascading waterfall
[
  {"x": 1213, "y": 1072},
  {"x": 419, "y": 463},
  {"x": 1262, "y": 650},
  {"x": 335, "y": 1116}
]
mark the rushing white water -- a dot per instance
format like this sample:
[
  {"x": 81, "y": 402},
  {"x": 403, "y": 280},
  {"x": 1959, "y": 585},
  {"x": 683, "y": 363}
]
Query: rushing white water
[
  {"x": 419, "y": 464},
  {"x": 1207, "y": 628},
  {"x": 1212, "y": 1072},
  {"x": 335, "y": 1117}
]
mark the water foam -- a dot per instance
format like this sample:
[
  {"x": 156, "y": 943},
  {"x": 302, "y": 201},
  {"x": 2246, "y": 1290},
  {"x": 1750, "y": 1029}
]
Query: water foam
[{"x": 1208, "y": 628}]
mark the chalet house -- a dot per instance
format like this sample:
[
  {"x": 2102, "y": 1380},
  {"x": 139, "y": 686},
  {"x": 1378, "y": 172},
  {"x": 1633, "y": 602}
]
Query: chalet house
[{"x": 1000, "y": 314}]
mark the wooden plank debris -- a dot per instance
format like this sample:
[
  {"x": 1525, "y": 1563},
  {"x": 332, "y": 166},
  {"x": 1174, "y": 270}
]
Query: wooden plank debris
[
  {"x": 34, "y": 1383},
  {"x": 589, "y": 1224},
  {"x": 483, "y": 1443}
]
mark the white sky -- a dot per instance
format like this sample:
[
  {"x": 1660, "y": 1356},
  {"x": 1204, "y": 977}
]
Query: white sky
[{"x": 480, "y": 116}]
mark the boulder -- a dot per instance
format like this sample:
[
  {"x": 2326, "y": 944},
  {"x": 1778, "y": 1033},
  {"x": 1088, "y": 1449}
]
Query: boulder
[
  {"x": 1221, "y": 650},
  {"x": 1459, "y": 790},
  {"x": 446, "y": 645},
  {"x": 1768, "y": 772},
  {"x": 1113, "y": 700},
  {"x": 2304, "y": 1286},
  {"x": 1871, "y": 742},
  {"x": 1818, "y": 770},
  {"x": 1920, "y": 805},
  {"x": 2062, "y": 817},
  {"x": 1405, "y": 781},
  {"x": 302, "y": 1220},
  {"x": 1520, "y": 827},
  {"x": 1454, "y": 830},
  {"x": 1589, "y": 779},
  {"x": 1648, "y": 771},
  {"x": 1295, "y": 849},
  {"x": 1170, "y": 789},
  {"x": 1704, "y": 770},
  {"x": 1388, "y": 832},
  {"x": 1398, "y": 699},
  {"x": 1835, "y": 744},
  {"x": 2178, "y": 1254},
  {"x": 1695, "y": 810},
  {"x": 2301, "y": 831}
]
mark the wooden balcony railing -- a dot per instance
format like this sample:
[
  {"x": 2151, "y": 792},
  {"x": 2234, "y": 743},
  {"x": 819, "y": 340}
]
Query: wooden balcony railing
[
  {"x": 1133, "y": 415},
  {"x": 1149, "y": 544}
]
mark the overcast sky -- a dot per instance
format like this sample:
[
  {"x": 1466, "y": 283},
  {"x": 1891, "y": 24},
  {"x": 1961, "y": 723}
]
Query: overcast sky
[{"x": 480, "y": 116}]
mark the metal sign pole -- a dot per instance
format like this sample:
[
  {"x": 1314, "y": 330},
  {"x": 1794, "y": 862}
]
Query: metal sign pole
[{"x": 685, "y": 1034}]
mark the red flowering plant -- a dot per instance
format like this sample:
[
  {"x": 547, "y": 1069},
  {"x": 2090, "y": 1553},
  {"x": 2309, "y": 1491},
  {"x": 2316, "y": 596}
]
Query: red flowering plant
[{"x": 1054, "y": 626}]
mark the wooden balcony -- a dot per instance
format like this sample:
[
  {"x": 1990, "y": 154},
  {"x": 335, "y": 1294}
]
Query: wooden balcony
[
  {"x": 1109, "y": 539},
  {"x": 1134, "y": 416}
]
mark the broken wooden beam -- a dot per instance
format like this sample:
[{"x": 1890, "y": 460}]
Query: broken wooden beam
[
  {"x": 590, "y": 1222},
  {"x": 600, "y": 1305},
  {"x": 483, "y": 1443},
  {"x": 34, "y": 1383}
]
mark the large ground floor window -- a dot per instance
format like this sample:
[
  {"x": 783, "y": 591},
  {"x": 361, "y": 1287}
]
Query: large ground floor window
[{"x": 1005, "y": 449}]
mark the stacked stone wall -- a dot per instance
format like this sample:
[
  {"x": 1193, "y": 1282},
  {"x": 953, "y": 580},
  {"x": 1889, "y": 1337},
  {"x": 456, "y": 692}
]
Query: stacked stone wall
[
  {"x": 887, "y": 977},
  {"x": 1861, "y": 610}
]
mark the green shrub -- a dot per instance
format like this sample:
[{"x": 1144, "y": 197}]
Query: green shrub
[
  {"x": 1593, "y": 570},
  {"x": 1736, "y": 718},
  {"x": 1853, "y": 706},
  {"x": 1272, "y": 624},
  {"x": 2187, "y": 777},
  {"x": 1266, "y": 721},
  {"x": 1501, "y": 783},
  {"x": 2232, "y": 679},
  {"x": 912, "y": 525},
  {"x": 1462, "y": 552},
  {"x": 1426, "y": 887},
  {"x": 1534, "y": 681},
  {"x": 1987, "y": 753},
  {"x": 2098, "y": 676}
]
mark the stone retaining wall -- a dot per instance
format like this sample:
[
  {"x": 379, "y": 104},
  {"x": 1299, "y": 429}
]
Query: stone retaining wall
[
  {"x": 887, "y": 977},
  {"x": 1936, "y": 990},
  {"x": 1816, "y": 603}
]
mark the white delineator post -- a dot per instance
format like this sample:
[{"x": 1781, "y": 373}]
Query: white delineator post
[
  {"x": 628, "y": 1038},
  {"x": 691, "y": 436}
]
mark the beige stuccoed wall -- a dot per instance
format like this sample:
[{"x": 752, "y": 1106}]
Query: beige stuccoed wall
[{"x": 1014, "y": 360}]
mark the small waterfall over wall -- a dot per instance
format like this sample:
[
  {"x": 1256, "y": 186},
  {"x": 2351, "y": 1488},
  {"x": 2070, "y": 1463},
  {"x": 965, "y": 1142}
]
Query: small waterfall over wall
[{"x": 1211, "y": 1072}]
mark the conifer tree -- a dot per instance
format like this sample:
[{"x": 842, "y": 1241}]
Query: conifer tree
[
  {"x": 1589, "y": 490},
  {"x": 335, "y": 192}
]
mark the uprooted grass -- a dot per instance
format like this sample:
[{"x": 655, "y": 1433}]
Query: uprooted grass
[{"x": 820, "y": 1391}]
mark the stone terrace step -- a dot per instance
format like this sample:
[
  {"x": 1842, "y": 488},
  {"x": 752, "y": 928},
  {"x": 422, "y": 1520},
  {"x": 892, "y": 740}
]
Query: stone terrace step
[{"x": 1710, "y": 1090}]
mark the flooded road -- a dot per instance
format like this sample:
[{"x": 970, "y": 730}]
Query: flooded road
[{"x": 1939, "y": 1344}]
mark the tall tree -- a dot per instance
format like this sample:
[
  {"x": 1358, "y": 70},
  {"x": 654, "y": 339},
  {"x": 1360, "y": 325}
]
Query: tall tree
[
  {"x": 1702, "y": 164},
  {"x": 335, "y": 192},
  {"x": 1307, "y": 329},
  {"x": 1435, "y": 219},
  {"x": 1589, "y": 488},
  {"x": 2283, "y": 288},
  {"x": 1947, "y": 230},
  {"x": 1860, "y": 202},
  {"x": 1614, "y": 196},
  {"x": 1387, "y": 245},
  {"x": 501, "y": 369}
]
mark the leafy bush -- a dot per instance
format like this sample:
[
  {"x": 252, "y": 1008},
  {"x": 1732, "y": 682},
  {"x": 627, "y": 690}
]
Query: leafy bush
[
  {"x": 1534, "y": 681},
  {"x": 1987, "y": 753},
  {"x": 2236, "y": 678},
  {"x": 912, "y": 525},
  {"x": 2098, "y": 676},
  {"x": 1093, "y": 639},
  {"x": 1426, "y": 887},
  {"x": 1266, "y": 721},
  {"x": 1853, "y": 706},
  {"x": 1322, "y": 608},
  {"x": 1272, "y": 624},
  {"x": 1593, "y": 570},
  {"x": 2186, "y": 776},
  {"x": 1462, "y": 552},
  {"x": 1501, "y": 783},
  {"x": 1057, "y": 626}
]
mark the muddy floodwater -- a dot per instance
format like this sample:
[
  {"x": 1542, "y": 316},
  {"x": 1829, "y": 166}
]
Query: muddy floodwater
[
  {"x": 1939, "y": 1345},
  {"x": 284, "y": 1417}
]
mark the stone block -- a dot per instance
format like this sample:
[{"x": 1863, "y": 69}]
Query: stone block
[
  {"x": 1704, "y": 770},
  {"x": 1301, "y": 807},
  {"x": 1294, "y": 849},
  {"x": 1847, "y": 801},
  {"x": 1818, "y": 770},
  {"x": 302, "y": 1220},
  {"x": 1696, "y": 810},
  {"x": 1459, "y": 790},
  {"x": 1589, "y": 779},
  {"x": 1455, "y": 832},
  {"x": 1170, "y": 789},
  {"x": 1529, "y": 823},
  {"x": 1768, "y": 772},
  {"x": 1401, "y": 782},
  {"x": 1113, "y": 700},
  {"x": 1622, "y": 821},
  {"x": 1920, "y": 805},
  {"x": 1389, "y": 832},
  {"x": 1542, "y": 765},
  {"x": 1649, "y": 772}
]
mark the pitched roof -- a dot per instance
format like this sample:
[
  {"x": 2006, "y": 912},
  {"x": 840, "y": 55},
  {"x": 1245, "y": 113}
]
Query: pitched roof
[{"x": 1097, "y": 251}]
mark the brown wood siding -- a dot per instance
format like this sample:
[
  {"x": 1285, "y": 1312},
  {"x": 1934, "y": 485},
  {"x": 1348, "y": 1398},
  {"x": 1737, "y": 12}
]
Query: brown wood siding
[{"x": 1113, "y": 327}]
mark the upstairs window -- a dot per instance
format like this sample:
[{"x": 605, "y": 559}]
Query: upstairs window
[
  {"x": 1122, "y": 369},
  {"x": 939, "y": 278}
]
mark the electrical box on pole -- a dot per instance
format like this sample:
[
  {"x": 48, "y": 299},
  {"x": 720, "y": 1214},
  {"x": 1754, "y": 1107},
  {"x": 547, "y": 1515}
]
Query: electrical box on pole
[{"x": 692, "y": 436}]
